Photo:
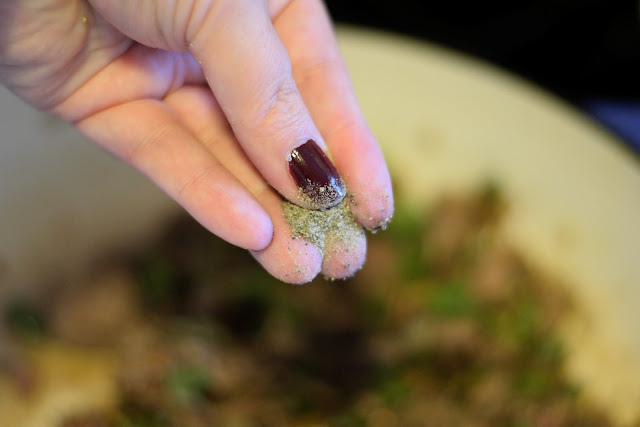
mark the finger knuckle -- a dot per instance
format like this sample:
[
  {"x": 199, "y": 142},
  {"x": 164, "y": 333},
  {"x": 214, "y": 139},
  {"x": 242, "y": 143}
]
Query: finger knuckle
[
  {"x": 278, "y": 107},
  {"x": 314, "y": 71},
  {"x": 140, "y": 151},
  {"x": 198, "y": 176},
  {"x": 202, "y": 16}
]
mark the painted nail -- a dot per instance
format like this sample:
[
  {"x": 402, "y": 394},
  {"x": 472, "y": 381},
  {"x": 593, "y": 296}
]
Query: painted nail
[{"x": 317, "y": 179}]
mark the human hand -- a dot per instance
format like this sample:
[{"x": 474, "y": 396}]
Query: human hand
[{"x": 215, "y": 102}]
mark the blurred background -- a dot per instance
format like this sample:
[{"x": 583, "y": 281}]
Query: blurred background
[
  {"x": 440, "y": 316},
  {"x": 585, "y": 51}
]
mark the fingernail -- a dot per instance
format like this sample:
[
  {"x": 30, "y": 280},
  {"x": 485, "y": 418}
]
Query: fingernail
[{"x": 318, "y": 180}]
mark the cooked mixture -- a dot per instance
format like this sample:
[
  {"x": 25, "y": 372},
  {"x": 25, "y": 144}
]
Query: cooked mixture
[{"x": 445, "y": 326}]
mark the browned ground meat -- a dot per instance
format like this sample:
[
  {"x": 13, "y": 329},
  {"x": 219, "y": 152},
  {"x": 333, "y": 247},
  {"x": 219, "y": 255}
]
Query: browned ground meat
[{"x": 445, "y": 325}]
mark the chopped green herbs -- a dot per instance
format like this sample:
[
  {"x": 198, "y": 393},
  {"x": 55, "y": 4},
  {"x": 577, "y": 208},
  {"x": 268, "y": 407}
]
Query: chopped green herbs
[
  {"x": 24, "y": 319},
  {"x": 188, "y": 383},
  {"x": 451, "y": 300},
  {"x": 445, "y": 325}
]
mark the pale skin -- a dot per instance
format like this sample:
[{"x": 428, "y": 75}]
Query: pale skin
[{"x": 207, "y": 98}]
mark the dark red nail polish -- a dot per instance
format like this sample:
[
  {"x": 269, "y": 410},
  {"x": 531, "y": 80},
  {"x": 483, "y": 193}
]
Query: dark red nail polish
[{"x": 317, "y": 178}]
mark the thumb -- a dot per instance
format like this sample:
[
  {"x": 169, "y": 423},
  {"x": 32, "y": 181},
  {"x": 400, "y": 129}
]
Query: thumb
[{"x": 249, "y": 71}]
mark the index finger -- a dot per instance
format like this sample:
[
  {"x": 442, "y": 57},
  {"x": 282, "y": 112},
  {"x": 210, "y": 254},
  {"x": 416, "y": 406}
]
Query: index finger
[
  {"x": 321, "y": 76},
  {"x": 249, "y": 71}
]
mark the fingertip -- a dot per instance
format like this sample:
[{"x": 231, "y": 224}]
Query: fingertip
[
  {"x": 344, "y": 257},
  {"x": 296, "y": 262},
  {"x": 243, "y": 222},
  {"x": 288, "y": 258},
  {"x": 258, "y": 231},
  {"x": 373, "y": 207},
  {"x": 362, "y": 164}
]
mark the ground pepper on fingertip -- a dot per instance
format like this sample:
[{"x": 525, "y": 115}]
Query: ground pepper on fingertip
[{"x": 334, "y": 231}]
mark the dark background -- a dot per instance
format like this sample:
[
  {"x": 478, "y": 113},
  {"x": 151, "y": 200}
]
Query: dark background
[
  {"x": 586, "y": 51},
  {"x": 579, "y": 49}
]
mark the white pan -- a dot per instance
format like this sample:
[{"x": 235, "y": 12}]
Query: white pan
[{"x": 446, "y": 123}]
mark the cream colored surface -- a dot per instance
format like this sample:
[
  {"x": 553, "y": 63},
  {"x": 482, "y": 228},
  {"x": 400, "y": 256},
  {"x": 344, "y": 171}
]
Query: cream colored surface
[
  {"x": 446, "y": 123},
  {"x": 63, "y": 201},
  {"x": 70, "y": 381}
]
